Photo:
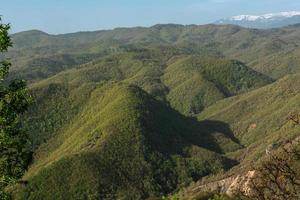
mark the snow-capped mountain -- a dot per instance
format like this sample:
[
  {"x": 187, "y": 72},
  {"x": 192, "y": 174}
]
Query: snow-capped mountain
[{"x": 271, "y": 20}]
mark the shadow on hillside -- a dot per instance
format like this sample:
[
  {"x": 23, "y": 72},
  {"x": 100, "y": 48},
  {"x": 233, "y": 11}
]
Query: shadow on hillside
[
  {"x": 170, "y": 132},
  {"x": 213, "y": 133}
]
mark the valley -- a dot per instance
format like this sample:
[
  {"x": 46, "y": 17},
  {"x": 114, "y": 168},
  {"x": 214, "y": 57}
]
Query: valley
[{"x": 138, "y": 113}]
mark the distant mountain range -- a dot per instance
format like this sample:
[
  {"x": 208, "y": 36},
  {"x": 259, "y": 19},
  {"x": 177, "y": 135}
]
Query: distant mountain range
[{"x": 271, "y": 20}]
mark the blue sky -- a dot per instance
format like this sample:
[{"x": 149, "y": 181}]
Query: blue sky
[{"x": 62, "y": 16}]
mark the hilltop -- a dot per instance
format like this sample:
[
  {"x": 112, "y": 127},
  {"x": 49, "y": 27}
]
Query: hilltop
[
  {"x": 187, "y": 83},
  {"x": 124, "y": 143},
  {"x": 272, "y": 52}
]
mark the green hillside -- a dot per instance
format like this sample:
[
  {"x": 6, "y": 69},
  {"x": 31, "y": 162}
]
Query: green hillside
[
  {"x": 125, "y": 143},
  {"x": 41, "y": 67},
  {"x": 272, "y": 52},
  {"x": 196, "y": 82},
  {"x": 259, "y": 118},
  {"x": 188, "y": 84},
  {"x": 133, "y": 113},
  {"x": 166, "y": 148}
]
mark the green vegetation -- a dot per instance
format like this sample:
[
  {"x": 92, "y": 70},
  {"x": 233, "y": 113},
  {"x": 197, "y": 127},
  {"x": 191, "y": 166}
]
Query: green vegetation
[
  {"x": 278, "y": 174},
  {"x": 196, "y": 82},
  {"x": 14, "y": 100},
  {"x": 136, "y": 113},
  {"x": 259, "y": 120},
  {"x": 271, "y": 52},
  {"x": 260, "y": 117},
  {"x": 128, "y": 145},
  {"x": 61, "y": 97}
]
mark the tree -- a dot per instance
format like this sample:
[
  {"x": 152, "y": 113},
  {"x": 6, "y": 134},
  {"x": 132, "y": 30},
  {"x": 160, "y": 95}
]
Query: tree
[
  {"x": 278, "y": 177},
  {"x": 14, "y": 100}
]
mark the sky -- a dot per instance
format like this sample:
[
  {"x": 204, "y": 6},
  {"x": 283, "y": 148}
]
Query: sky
[{"x": 65, "y": 16}]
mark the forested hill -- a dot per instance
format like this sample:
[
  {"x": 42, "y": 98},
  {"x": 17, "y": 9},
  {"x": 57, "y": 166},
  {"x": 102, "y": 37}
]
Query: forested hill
[
  {"x": 273, "y": 52},
  {"x": 134, "y": 113}
]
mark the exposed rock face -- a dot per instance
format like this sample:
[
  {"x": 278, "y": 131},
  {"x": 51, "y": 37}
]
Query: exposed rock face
[
  {"x": 252, "y": 126},
  {"x": 242, "y": 182},
  {"x": 228, "y": 185},
  {"x": 221, "y": 186}
]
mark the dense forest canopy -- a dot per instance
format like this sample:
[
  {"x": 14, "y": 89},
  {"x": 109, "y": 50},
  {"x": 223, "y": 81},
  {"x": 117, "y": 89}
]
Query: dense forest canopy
[{"x": 14, "y": 101}]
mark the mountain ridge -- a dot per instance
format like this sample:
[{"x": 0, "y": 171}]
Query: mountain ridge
[
  {"x": 265, "y": 21},
  {"x": 272, "y": 52}
]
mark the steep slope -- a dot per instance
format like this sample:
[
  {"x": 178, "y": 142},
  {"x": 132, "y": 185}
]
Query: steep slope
[
  {"x": 188, "y": 83},
  {"x": 196, "y": 82},
  {"x": 259, "y": 119},
  {"x": 59, "y": 98},
  {"x": 55, "y": 104},
  {"x": 126, "y": 144}
]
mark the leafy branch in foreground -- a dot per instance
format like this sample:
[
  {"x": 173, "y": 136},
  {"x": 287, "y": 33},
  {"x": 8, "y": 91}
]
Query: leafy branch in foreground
[{"x": 14, "y": 100}]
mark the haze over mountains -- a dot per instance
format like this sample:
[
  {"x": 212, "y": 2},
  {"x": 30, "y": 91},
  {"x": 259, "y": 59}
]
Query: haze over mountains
[
  {"x": 134, "y": 113},
  {"x": 265, "y": 21}
]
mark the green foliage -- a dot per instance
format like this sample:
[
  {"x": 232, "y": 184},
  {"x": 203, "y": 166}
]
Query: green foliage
[
  {"x": 45, "y": 66},
  {"x": 96, "y": 136},
  {"x": 268, "y": 52},
  {"x": 122, "y": 144},
  {"x": 262, "y": 111},
  {"x": 277, "y": 176},
  {"x": 14, "y": 100},
  {"x": 196, "y": 82},
  {"x": 59, "y": 98},
  {"x": 4, "y": 37}
]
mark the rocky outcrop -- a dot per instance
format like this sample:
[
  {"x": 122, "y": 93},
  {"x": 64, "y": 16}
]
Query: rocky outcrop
[{"x": 228, "y": 185}]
